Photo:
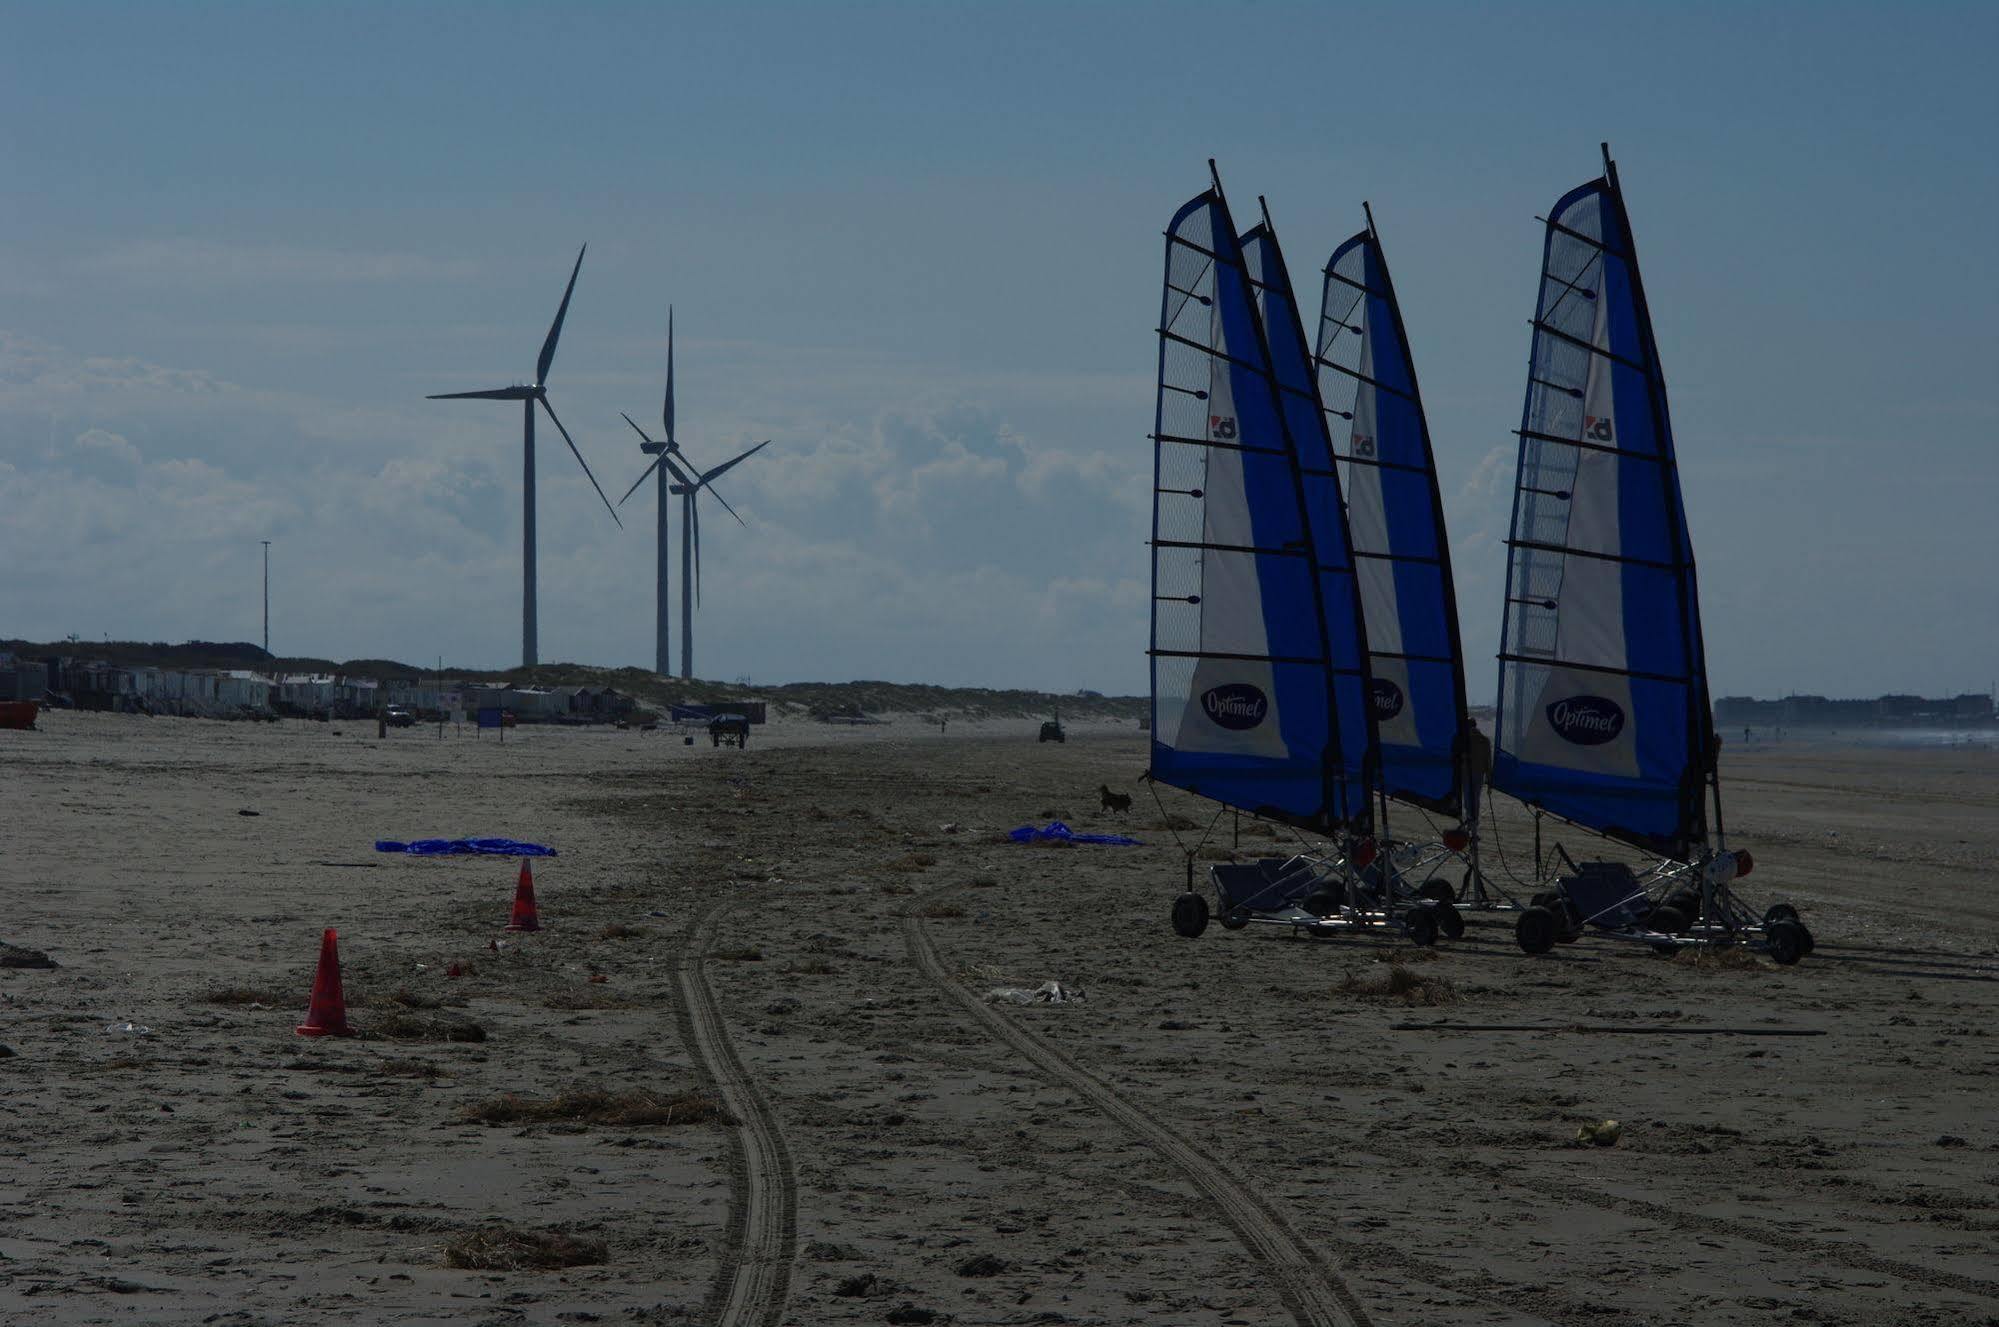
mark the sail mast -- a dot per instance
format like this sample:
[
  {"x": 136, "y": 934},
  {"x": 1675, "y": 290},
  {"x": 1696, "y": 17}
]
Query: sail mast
[
  {"x": 1604, "y": 718},
  {"x": 1243, "y": 709},
  {"x": 1367, "y": 379}
]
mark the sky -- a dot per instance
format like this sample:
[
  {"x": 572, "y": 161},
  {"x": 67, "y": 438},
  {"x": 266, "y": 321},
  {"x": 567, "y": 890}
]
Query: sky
[{"x": 918, "y": 247}]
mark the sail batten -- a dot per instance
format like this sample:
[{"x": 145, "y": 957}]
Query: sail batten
[
  {"x": 1374, "y": 413},
  {"x": 1603, "y": 684}
]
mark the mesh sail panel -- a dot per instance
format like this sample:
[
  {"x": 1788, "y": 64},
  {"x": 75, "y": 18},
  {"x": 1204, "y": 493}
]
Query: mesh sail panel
[
  {"x": 1603, "y": 691},
  {"x": 1374, "y": 415},
  {"x": 1241, "y": 691}
]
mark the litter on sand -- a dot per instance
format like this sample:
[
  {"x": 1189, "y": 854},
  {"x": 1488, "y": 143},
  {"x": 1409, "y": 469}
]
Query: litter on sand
[
  {"x": 453, "y": 847},
  {"x": 1048, "y": 992},
  {"x": 1057, "y": 832}
]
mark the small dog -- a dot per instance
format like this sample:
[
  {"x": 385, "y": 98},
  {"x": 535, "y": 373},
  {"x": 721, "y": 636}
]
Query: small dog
[{"x": 1118, "y": 802}]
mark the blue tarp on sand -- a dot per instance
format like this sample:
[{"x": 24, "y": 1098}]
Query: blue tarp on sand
[
  {"x": 1056, "y": 831},
  {"x": 454, "y": 847}
]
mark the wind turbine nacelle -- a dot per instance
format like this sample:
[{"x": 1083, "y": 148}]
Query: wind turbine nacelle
[{"x": 652, "y": 448}]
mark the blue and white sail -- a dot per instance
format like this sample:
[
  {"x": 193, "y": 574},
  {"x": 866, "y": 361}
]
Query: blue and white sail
[
  {"x": 1319, "y": 480},
  {"x": 1603, "y": 694},
  {"x": 1243, "y": 706},
  {"x": 1374, "y": 412}
]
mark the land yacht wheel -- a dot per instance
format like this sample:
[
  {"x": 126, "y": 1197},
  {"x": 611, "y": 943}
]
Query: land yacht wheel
[
  {"x": 1190, "y": 915},
  {"x": 1450, "y": 922},
  {"x": 1670, "y": 920},
  {"x": 1420, "y": 924},
  {"x": 1322, "y": 903},
  {"x": 1535, "y": 931},
  {"x": 1235, "y": 918},
  {"x": 1438, "y": 889},
  {"x": 1686, "y": 902},
  {"x": 1788, "y": 941},
  {"x": 1779, "y": 912}
]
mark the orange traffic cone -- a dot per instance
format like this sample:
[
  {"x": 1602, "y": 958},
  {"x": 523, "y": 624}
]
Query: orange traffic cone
[
  {"x": 328, "y": 1015},
  {"x": 526, "y": 917}
]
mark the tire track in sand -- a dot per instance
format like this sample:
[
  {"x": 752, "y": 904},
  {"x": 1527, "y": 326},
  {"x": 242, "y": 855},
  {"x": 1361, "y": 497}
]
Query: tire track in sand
[
  {"x": 1810, "y": 1248},
  {"x": 753, "y": 1282},
  {"x": 1265, "y": 1233},
  {"x": 1311, "y": 1291}
]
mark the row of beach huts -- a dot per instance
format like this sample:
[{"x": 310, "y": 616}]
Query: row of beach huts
[{"x": 216, "y": 693}]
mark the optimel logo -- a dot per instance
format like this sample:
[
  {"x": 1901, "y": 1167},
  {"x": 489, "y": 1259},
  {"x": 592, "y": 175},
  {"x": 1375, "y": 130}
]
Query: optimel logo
[
  {"x": 1388, "y": 699},
  {"x": 1236, "y": 705},
  {"x": 1586, "y": 720}
]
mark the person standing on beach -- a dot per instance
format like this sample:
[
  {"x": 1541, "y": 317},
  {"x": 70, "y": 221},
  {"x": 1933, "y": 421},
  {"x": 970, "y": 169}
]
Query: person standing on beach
[{"x": 1478, "y": 766}]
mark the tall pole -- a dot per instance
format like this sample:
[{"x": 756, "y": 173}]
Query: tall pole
[
  {"x": 686, "y": 581},
  {"x": 267, "y": 598},
  {"x": 662, "y": 658},
  {"x": 528, "y": 654}
]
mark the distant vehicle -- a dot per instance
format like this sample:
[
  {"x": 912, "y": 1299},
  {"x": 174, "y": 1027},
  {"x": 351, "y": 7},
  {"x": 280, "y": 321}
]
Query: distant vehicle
[
  {"x": 1051, "y": 731},
  {"x": 731, "y": 728},
  {"x": 400, "y": 716}
]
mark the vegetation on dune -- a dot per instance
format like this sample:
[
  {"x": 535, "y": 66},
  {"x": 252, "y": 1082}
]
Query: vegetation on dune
[{"x": 813, "y": 699}]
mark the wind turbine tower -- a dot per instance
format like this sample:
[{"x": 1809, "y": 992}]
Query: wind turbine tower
[
  {"x": 674, "y": 481},
  {"x": 689, "y": 491},
  {"x": 528, "y": 395}
]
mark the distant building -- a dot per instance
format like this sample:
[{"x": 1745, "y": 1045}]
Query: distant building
[{"x": 1904, "y": 711}]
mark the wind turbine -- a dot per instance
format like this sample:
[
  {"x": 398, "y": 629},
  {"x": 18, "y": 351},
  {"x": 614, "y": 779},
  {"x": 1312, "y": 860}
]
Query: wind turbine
[
  {"x": 527, "y": 396},
  {"x": 674, "y": 480}
]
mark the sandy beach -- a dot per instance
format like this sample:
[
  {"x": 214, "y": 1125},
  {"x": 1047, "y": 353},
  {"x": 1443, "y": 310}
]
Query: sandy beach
[{"x": 805, "y": 934}]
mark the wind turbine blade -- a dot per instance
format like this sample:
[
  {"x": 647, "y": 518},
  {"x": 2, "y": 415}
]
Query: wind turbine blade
[
  {"x": 694, "y": 519},
  {"x": 547, "y": 360},
  {"x": 640, "y": 480},
  {"x": 726, "y": 507},
  {"x": 580, "y": 461},
  {"x": 680, "y": 476},
  {"x": 635, "y": 428},
  {"x": 497, "y": 394},
  {"x": 735, "y": 461},
  {"x": 667, "y": 415}
]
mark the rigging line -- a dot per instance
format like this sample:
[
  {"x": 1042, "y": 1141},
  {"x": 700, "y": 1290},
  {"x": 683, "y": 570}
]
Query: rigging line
[
  {"x": 1188, "y": 293},
  {"x": 1165, "y": 817},
  {"x": 1552, "y": 662},
  {"x": 1321, "y": 356},
  {"x": 1500, "y": 848},
  {"x": 1222, "y": 355},
  {"x": 1372, "y": 382},
  {"x": 1233, "y": 548},
  {"x": 1536, "y": 436},
  {"x": 1374, "y": 461},
  {"x": 1210, "y": 442},
  {"x": 1238, "y": 657},
  {"x": 1365, "y": 290},
  {"x": 1399, "y": 557},
  {"x": 1622, "y": 558},
  {"x": 1207, "y": 253},
  {"x": 1573, "y": 286},
  {"x": 1342, "y": 321},
  {"x": 1560, "y": 335},
  {"x": 1593, "y": 242}
]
